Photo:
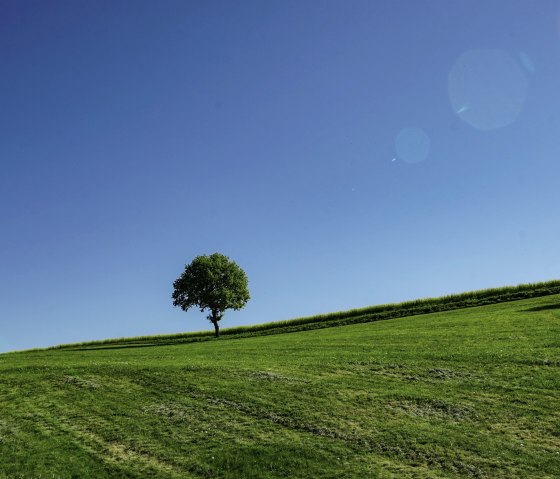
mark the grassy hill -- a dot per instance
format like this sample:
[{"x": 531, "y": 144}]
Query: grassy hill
[{"x": 461, "y": 393}]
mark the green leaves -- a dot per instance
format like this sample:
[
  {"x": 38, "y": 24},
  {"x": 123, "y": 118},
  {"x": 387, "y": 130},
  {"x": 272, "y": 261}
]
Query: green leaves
[{"x": 213, "y": 283}]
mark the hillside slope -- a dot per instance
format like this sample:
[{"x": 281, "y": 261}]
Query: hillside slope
[
  {"x": 465, "y": 393},
  {"x": 368, "y": 314}
]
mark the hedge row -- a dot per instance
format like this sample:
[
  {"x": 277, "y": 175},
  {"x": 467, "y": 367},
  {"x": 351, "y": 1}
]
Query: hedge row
[{"x": 341, "y": 318}]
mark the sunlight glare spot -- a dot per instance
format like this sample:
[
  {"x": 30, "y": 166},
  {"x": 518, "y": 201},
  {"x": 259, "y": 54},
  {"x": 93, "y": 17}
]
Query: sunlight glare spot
[
  {"x": 487, "y": 88},
  {"x": 527, "y": 62},
  {"x": 413, "y": 145}
]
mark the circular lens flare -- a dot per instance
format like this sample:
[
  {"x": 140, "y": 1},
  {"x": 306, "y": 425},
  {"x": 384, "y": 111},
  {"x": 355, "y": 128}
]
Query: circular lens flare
[
  {"x": 413, "y": 145},
  {"x": 487, "y": 89}
]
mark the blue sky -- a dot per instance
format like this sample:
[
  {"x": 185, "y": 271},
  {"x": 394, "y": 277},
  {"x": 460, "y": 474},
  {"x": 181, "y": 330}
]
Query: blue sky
[{"x": 342, "y": 153}]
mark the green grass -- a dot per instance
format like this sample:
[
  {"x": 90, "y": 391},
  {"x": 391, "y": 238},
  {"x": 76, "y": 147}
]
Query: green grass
[
  {"x": 341, "y": 318},
  {"x": 464, "y": 393}
]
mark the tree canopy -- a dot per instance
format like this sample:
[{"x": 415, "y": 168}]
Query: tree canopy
[{"x": 214, "y": 283}]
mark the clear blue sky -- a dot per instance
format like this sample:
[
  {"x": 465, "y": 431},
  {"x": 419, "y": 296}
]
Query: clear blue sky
[{"x": 342, "y": 153}]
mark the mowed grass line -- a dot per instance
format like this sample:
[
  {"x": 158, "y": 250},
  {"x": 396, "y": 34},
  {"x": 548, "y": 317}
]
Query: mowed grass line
[
  {"x": 465, "y": 393},
  {"x": 341, "y": 318}
]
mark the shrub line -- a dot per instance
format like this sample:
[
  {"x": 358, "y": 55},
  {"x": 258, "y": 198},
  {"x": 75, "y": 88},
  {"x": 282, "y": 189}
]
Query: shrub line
[{"x": 342, "y": 318}]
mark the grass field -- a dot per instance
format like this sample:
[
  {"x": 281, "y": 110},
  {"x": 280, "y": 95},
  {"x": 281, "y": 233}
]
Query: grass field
[
  {"x": 342, "y": 318},
  {"x": 465, "y": 393}
]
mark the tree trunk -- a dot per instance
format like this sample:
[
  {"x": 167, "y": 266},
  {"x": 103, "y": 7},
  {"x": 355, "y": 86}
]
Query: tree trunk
[
  {"x": 216, "y": 329},
  {"x": 214, "y": 317}
]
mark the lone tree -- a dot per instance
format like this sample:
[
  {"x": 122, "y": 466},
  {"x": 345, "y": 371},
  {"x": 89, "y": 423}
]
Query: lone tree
[{"x": 214, "y": 283}]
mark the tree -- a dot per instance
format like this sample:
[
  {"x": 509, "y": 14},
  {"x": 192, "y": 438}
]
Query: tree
[{"x": 213, "y": 283}]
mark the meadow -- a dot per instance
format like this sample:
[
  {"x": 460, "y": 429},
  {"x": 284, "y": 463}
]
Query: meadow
[
  {"x": 341, "y": 318},
  {"x": 470, "y": 392}
]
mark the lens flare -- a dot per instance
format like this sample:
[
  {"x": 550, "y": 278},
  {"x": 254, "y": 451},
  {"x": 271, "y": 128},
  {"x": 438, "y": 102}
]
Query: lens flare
[
  {"x": 413, "y": 145},
  {"x": 527, "y": 62},
  {"x": 487, "y": 88}
]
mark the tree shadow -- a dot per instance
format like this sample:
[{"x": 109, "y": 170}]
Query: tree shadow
[{"x": 546, "y": 307}]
